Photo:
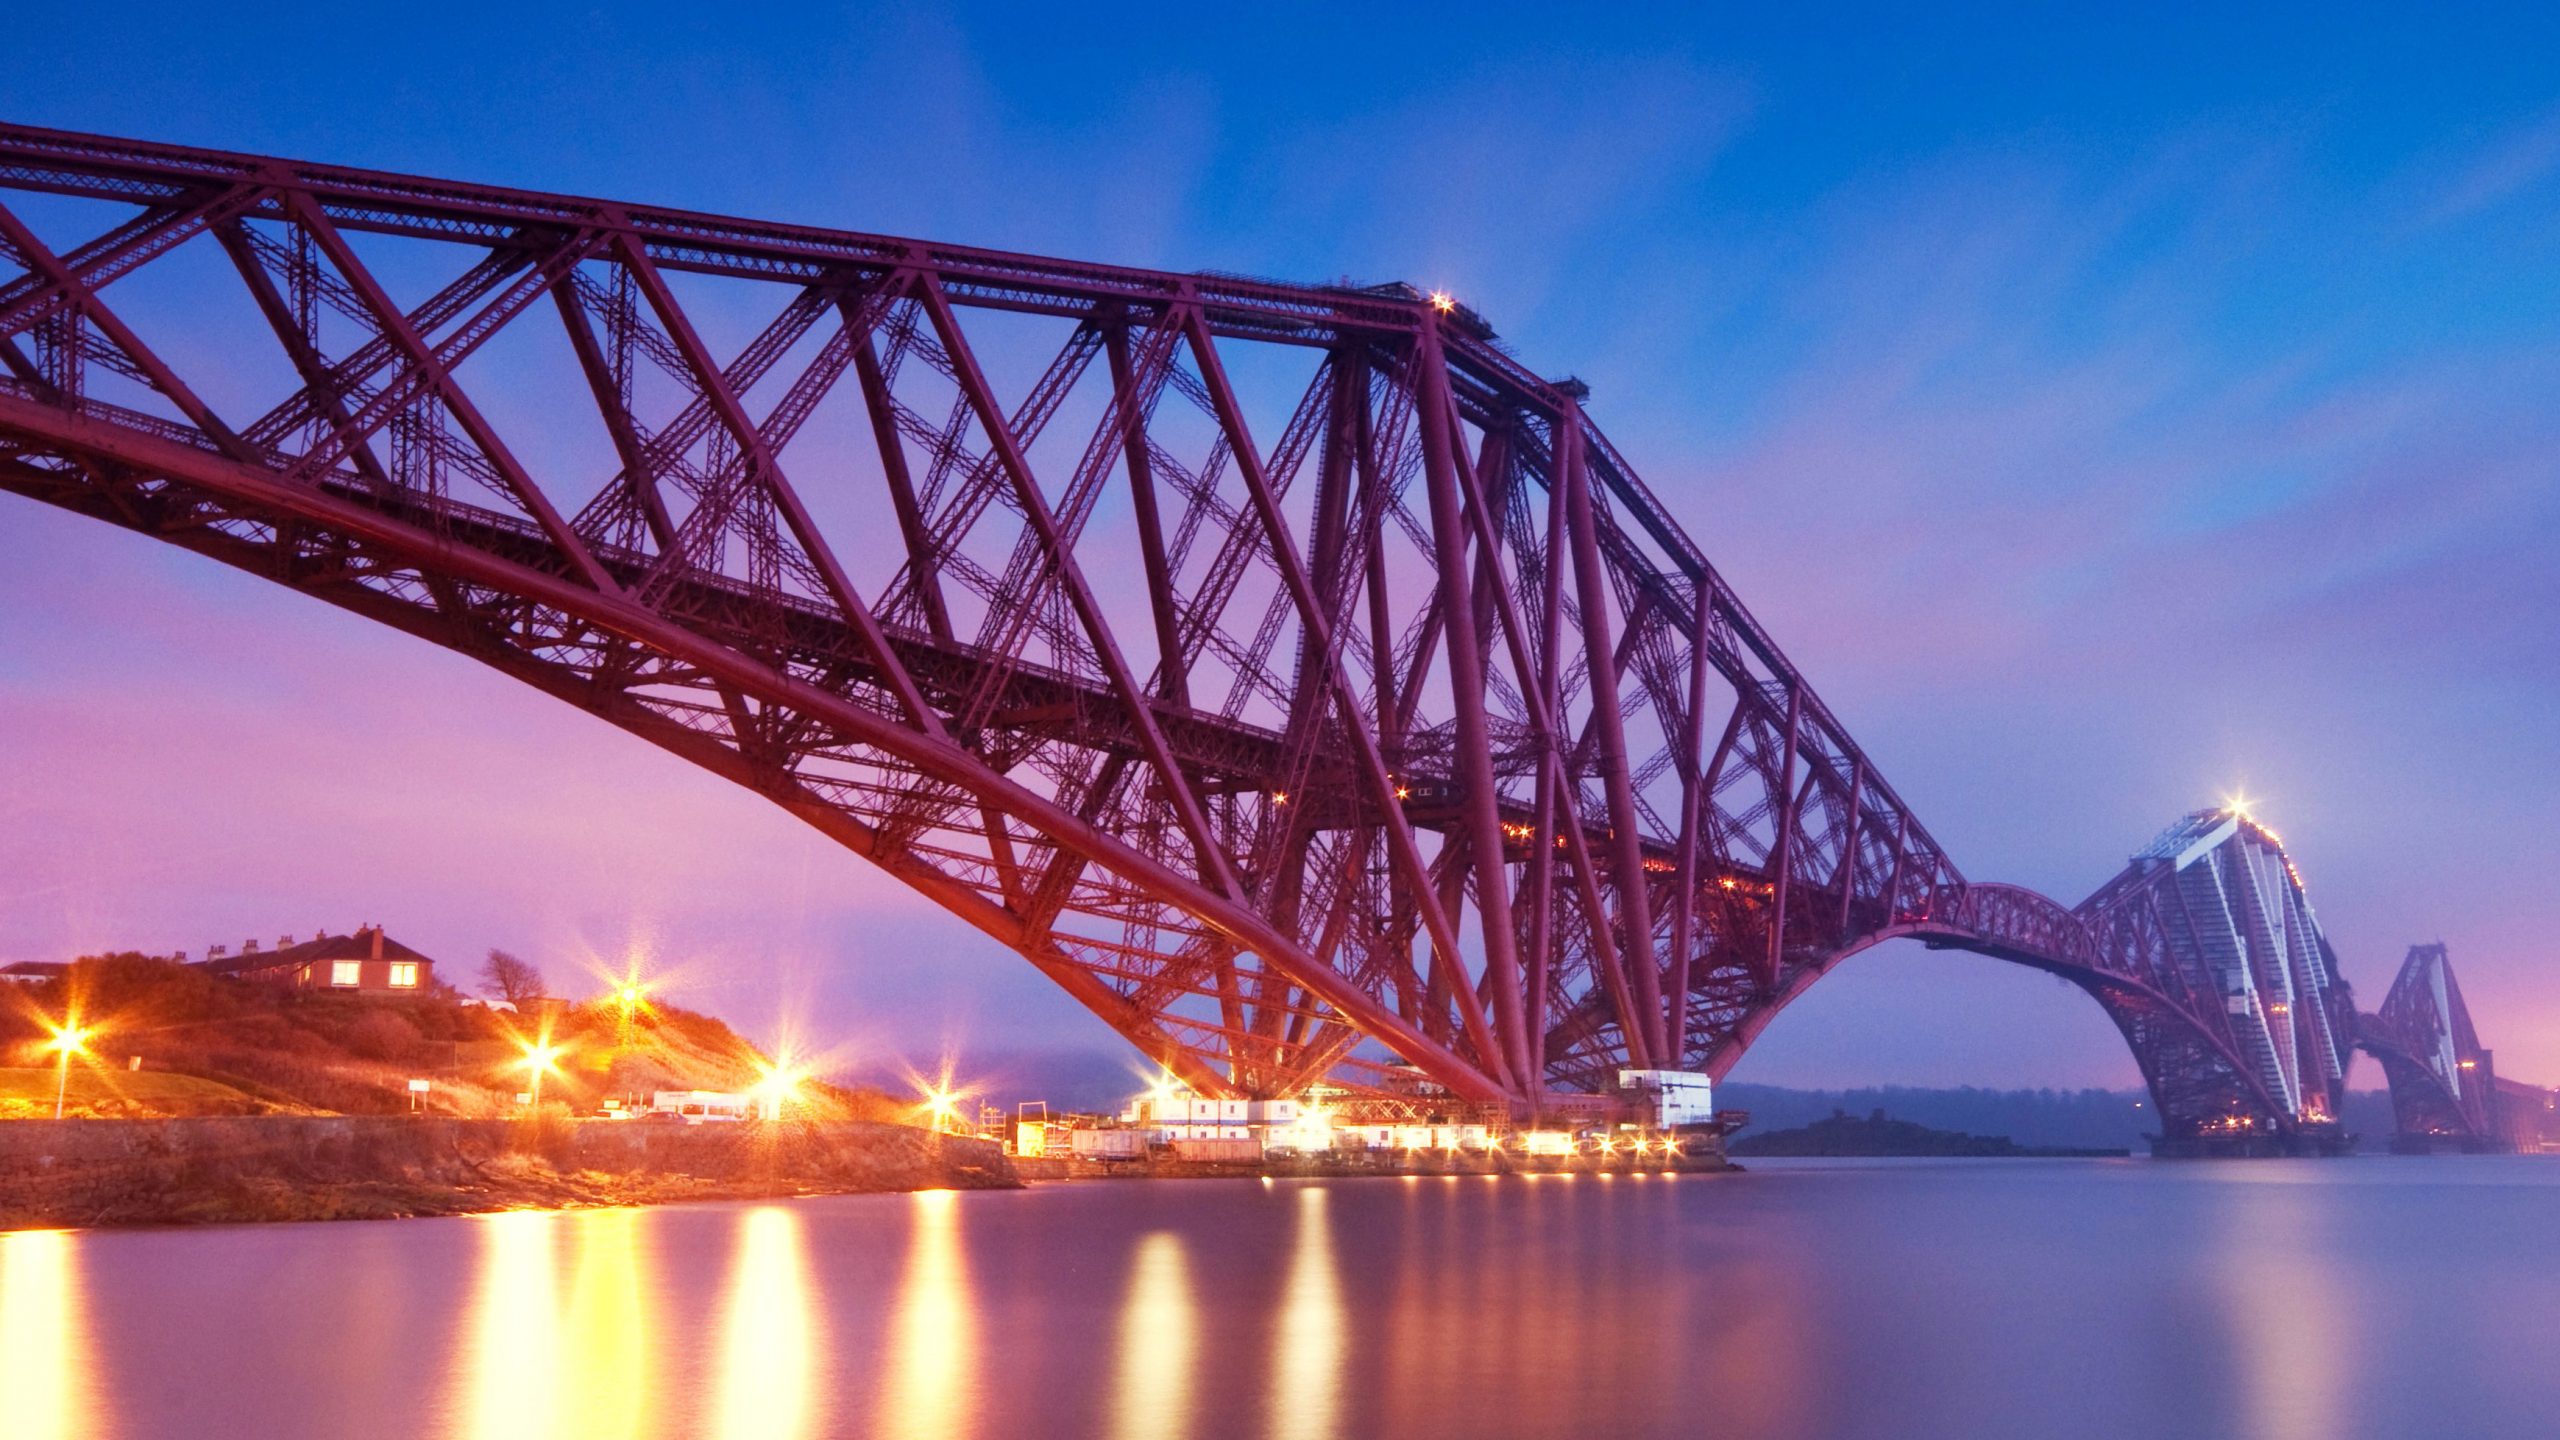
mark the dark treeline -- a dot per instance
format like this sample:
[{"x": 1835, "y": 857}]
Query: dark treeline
[{"x": 2073, "y": 1118}]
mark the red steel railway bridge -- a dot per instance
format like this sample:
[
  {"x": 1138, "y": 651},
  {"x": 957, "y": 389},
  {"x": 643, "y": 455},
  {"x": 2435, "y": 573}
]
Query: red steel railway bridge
[{"x": 1292, "y": 674}]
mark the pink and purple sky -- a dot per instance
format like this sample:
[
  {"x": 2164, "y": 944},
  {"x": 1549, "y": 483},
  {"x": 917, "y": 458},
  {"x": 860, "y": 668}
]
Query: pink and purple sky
[{"x": 2106, "y": 415}]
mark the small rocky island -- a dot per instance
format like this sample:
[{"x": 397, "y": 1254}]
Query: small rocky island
[{"x": 1877, "y": 1136}]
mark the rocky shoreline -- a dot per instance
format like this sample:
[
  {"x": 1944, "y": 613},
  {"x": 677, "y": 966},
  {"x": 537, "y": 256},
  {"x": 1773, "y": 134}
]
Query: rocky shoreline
[{"x": 232, "y": 1170}]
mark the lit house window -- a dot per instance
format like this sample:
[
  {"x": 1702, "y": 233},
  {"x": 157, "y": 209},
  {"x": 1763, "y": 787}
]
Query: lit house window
[
  {"x": 404, "y": 976},
  {"x": 345, "y": 972}
]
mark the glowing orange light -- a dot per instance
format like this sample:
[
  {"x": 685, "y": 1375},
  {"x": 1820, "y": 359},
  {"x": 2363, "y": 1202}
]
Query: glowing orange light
[
  {"x": 541, "y": 1057},
  {"x": 780, "y": 1086},
  {"x": 69, "y": 1039},
  {"x": 942, "y": 1107},
  {"x": 1443, "y": 301},
  {"x": 630, "y": 998}
]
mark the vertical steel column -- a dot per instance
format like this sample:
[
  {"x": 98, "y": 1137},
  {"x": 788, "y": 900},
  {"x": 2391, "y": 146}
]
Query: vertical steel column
[
  {"x": 1551, "y": 777},
  {"x": 1782, "y": 855},
  {"x": 923, "y": 568},
  {"x": 1848, "y": 869},
  {"x": 1467, "y": 685},
  {"x": 1174, "y": 681},
  {"x": 1398, "y": 832},
  {"x": 1635, "y": 902},
  {"x": 1696, "y": 805}
]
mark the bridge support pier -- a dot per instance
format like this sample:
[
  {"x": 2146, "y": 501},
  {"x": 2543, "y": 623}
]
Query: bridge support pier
[{"x": 2307, "y": 1142}]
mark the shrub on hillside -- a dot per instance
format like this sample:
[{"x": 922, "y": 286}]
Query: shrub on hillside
[
  {"x": 703, "y": 1030},
  {"x": 383, "y": 1034},
  {"x": 135, "y": 991}
]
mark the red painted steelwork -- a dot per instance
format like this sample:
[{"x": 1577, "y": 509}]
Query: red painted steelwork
[{"x": 1310, "y": 689}]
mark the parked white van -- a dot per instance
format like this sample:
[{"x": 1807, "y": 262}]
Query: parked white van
[{"x": 701, "y": 1107}]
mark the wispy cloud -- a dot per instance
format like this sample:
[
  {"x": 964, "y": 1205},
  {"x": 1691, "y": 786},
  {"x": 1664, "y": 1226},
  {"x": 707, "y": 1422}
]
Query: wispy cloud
[{"x": 2515, "y": 162}]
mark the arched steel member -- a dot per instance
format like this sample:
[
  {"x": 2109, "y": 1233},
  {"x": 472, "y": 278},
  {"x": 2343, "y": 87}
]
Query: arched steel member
[
  {"x": 2205, "y": 953},
  {"x": 1306, "y": 686}
]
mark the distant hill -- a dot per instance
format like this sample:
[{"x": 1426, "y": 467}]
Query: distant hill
[
  {"x": 1842, "y": 1134},
  {"x": 2108, "y": 1119},
  {"x": 2070, "y": 1119}
]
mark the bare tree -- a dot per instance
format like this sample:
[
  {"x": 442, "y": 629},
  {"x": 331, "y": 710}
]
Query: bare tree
[{"x": 510, "y": 979}]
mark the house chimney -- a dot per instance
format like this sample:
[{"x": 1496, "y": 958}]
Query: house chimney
[
  {"x": 284, "y": 942},
  {"x": 249, "y": 946},
  {"x": 377, "y": 942}
]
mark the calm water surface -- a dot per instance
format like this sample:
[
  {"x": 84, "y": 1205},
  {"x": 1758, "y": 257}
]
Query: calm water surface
[{"x": 2296, "y": 1301}]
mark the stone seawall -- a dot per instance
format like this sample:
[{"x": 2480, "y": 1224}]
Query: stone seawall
[{"x": 110, "y": 1172}]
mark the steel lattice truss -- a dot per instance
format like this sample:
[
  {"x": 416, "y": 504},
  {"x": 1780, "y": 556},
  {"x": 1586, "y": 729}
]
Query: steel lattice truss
[
  {"x": 2205, "y": 953},
  {"x": 1288, "y": 672}
]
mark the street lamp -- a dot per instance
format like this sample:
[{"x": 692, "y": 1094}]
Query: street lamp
[
  {"x": 943, "y": 1106},
  {"x": 68, "y": 1040},
  {"x": 541, "y": 1057},
  {"x": 781, "y": 1084},
  {"x": 629, "y": 998}
]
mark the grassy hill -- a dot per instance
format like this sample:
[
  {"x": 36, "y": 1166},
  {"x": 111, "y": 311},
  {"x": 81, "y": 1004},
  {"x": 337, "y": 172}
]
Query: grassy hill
[
  {"x": 27, "y": 1094},
  {"x": 210, "y": 1045}
]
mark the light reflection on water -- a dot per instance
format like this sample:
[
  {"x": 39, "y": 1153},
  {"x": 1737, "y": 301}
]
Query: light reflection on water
[
  {"x": 1308, "y": 1338},
  {"x": 1992, "y": 1301},
  {"x": 45, "y": 1360},
  {"x": 930, "y": 1382},
  {"x": 1159, "y": 1343},
  {"x": 605, "y": 1335},
  {"x": 511, "y": 1375},
  {"x": 771, "y": 1373},
  {"x": 2290, "y": 1314}
]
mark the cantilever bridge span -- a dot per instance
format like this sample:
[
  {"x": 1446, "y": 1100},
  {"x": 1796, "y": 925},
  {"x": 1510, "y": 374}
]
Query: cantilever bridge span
[{"x": 1297, "y": 678}]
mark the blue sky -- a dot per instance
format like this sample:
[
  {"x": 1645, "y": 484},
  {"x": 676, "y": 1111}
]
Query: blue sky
[{"x": 2105, "y": 412}]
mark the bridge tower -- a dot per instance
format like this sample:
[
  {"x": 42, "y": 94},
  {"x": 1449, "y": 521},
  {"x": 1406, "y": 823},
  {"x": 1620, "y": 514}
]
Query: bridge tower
[
  {"x": 2205, "y": 952},
  {"x": 2445, "y": 1090}
]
